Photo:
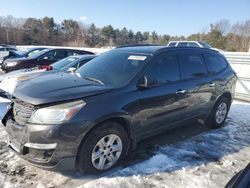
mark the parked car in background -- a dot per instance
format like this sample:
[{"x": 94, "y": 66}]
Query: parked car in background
[
  {"x": 6, "y": 47},
  {"x": 5, "y": 50},
  {"x": 10, "y": 81},
  {"x": 44, "y": 57},
  {"x": 199, "y": 44},
  {"x": 90, "y": 119},
  {"x": 19, "y": 54}
]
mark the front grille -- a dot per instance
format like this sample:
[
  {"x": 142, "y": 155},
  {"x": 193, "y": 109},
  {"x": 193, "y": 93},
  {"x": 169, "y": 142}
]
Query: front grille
[{"x": 22, "y": 111}]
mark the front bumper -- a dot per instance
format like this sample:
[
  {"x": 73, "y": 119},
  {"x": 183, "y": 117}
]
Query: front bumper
[
  {"x": 52, "y": 147},
  {"x": 7, "y": 68}
]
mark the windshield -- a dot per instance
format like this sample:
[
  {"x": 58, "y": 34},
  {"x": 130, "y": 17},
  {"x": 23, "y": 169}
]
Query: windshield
[
  {"x": 115, "y": 68},
  {"x": 59, "y": 65},
  {"x": 32, "y": 52},
  {"x": 205, "y": 45},
  {"x": 36, "y": 55}
]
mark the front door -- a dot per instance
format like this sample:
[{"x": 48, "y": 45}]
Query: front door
[{"x": 164, "y": 105}]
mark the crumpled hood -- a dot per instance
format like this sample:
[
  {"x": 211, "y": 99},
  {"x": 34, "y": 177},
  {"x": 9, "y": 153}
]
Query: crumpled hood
[{"x": 56, "y": 87}]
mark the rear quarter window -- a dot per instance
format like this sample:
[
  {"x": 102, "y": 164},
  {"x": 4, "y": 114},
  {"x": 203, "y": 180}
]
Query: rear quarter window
[
  {"x": 215, "y": 63},
  {"x": 192, "y": 44}
]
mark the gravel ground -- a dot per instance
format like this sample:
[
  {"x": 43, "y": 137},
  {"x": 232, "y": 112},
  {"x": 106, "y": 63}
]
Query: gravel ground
[{"x": 188, "y": 156}]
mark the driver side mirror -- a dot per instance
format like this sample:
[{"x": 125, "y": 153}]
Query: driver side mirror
[
  {"x": 148, "y": 82},
  {"x": 71, "y": 69},
  {"x": 45, "y": 58}
]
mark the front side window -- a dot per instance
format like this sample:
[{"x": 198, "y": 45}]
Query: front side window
[
  {"x": 114, "y": 68},
  {"x": 193, "y": 66},
  {"x": 166, "y": 69},
  {"x": 60, "y": 54},
  {"x": 215, "y": 63}
]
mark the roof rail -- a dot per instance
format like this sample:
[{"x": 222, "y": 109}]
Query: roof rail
[
  {"x": 131, "y": 45},
  {"x": 187, "y": 47}
]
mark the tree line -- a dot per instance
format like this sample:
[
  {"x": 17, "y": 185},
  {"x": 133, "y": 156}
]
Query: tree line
[{"x": 45, "y": 31}]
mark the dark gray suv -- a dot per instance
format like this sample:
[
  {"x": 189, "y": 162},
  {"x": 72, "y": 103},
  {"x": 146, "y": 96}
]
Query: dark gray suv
[{"x": 90, "y": 119}]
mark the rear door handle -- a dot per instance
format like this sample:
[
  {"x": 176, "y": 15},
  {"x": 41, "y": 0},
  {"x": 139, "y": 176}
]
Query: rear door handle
[
  {"x": 211, "y": 84},
  {"x": 180, "y": 91}
]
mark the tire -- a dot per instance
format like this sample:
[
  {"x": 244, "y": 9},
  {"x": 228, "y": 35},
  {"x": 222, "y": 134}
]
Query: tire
[
  {"x": 93, "y": 146},
  {"x": 217, "y": 117}
]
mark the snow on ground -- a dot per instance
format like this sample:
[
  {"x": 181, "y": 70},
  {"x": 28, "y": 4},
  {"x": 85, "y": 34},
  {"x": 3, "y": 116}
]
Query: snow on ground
[{"x": 209, "y": 159}]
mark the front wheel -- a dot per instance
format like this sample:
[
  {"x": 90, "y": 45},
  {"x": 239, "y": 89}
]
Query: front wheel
[
  {"x": 103, "y": 148},
  {"x": 219, "y": 113}
]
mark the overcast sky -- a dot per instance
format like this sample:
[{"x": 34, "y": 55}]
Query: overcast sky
[{"x": 174, "y": 17}]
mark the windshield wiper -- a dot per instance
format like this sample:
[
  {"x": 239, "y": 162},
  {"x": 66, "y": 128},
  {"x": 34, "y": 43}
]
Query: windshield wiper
[{"x": 94, "y": 80}]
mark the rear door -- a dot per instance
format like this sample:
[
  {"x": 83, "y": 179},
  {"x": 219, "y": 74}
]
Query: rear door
[{"x": 199, "y": 82}]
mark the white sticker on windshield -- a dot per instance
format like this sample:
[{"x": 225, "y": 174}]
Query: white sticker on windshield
[{"x": 137, "y": 57}]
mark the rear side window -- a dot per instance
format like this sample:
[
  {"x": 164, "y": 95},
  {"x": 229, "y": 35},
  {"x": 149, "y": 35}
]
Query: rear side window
[
  {"x": 60, "y": 54},
  {"x": 56, "y": 54},
  {"x": 70, "y": 53},
  {"x": 215, "y": 63},
  {"x": 182, "y": 44},
  {"x": 193, "y": 66},
  {"x": 166, "y": 69}
]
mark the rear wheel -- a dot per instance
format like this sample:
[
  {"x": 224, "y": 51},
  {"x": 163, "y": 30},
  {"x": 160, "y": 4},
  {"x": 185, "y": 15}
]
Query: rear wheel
[
  {"x": 103, "y": 148},
  {"x": 219, "y": 113}
]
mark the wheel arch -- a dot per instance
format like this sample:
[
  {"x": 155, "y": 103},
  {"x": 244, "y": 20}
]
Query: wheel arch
[
  {"x": 227, "y": 95},
  {"x": 124, "y": 121}
]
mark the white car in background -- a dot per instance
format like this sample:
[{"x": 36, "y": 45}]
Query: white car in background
[{"x": 199, "y": 44}]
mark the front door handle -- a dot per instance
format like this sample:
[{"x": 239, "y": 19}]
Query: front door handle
[
  {"x": 180, "y": 91},
  {"x": 212, "y": 84}
]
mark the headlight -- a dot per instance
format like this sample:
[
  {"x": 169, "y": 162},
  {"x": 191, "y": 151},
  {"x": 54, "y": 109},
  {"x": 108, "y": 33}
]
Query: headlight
[
  {"x": 56, "y": 114},
  {"x": 10, "y": 64}
]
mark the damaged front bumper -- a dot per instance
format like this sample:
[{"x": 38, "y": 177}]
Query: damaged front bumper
[{"x": 44, "y": 146}]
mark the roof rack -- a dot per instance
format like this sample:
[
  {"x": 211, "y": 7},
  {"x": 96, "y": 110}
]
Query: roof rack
[{"x": 131, "y": 45}]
